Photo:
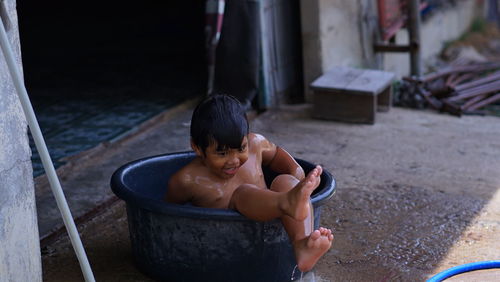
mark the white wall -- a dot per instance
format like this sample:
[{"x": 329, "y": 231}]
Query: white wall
[
  {"x": 19, "y": 241},
  {"x": 342, "y": 33},
  {"x": 330, "y": 36},
  {"x": 443, "y": 26}
]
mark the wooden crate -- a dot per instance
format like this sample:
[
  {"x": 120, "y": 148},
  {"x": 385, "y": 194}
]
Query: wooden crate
[{"x": 352, "y": 95}]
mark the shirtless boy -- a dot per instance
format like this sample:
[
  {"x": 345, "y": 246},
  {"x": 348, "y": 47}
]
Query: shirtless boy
[{"x": 227, "y": 173}]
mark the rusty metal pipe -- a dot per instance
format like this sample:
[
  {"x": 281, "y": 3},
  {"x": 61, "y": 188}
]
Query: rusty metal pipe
[
  {"x": 473, "y": 101},
  {"x": 493, "y": 87},
  {"x": 451, "y": 108},
  {"x": 492, "y": 77},
  {"x": 435, "y": 103},
  {"x": 450, "y": 79},
  {"x": 461, "y": 78},
  {"x": 450, "y": 70},
  {"x": 485, "y": 102}
]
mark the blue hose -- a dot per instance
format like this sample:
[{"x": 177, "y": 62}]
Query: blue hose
[{"x": 464, "y": 268}]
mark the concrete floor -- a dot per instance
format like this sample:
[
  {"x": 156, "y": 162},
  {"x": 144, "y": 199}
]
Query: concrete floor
[{"x": 417, "y": 193}]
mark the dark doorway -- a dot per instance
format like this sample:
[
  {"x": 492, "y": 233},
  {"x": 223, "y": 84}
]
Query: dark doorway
[{"x": 94, "y": 70}]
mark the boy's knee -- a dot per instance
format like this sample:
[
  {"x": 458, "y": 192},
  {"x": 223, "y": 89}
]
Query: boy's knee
[
  {"x": 283, "y": 183},
  {"x": 238, "y": 194}
]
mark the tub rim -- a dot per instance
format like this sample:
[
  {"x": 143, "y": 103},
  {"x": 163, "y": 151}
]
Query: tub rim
[{"x": 154, "y": 205}]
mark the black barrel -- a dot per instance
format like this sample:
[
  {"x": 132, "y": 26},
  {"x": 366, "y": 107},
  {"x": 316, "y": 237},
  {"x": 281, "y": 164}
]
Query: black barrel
[{"x": 185, "y": 243}]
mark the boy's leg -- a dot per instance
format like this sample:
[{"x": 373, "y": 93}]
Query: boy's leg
[
  {"x": 296, "y": 229},
  {"x": 263, "y": 204},
  {"x": 257, "y": 203},
  {"x": 308, "y": 245}
]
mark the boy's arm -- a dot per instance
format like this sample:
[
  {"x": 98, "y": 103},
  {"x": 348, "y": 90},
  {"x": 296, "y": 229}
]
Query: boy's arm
[
  {"x": 280, "y": 160},
  {"x": 177, "y": 191}
]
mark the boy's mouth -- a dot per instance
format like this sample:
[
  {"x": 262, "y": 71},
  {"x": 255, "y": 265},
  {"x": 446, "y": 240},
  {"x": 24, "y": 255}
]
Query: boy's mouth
[{"x": 231, "y": 170}]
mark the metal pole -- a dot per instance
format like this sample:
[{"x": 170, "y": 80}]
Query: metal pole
[
  {"x": 214, "y": 13},
  {"x": 44, "y": 155},
  {"x": 492, "y": 15},
  {"x": 414, "y": 33},
  {"x": 266, "y": 88}
]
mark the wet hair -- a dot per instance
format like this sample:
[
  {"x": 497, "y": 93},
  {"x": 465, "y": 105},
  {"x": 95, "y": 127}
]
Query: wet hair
[{"x": 221, "y": 119}]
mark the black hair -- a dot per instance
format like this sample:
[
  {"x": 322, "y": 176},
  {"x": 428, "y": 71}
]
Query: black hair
[{"x": 221, "y": 119}]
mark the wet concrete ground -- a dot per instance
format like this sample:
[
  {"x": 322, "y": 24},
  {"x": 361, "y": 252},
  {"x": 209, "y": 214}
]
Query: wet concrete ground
[{"x": 417, "y": 193}]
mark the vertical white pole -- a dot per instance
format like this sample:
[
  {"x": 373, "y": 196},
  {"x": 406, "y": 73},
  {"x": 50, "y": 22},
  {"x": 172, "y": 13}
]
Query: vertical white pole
[{"x": 44, "y": 155}]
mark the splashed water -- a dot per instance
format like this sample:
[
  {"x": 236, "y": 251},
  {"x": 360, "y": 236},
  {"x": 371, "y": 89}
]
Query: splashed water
[
  {"x": 293, "y": 273},
  {"x": 309, "y": 277}
]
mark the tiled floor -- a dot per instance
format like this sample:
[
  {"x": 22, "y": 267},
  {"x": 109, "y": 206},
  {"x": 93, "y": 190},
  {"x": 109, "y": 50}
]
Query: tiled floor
[{"x": 75, "y": 124}]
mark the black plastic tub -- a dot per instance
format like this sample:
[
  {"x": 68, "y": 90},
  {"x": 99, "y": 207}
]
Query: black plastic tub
[{"x": 186, "y": 243}]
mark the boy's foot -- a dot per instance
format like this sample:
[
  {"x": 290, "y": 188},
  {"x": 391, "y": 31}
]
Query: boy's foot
[
  {"x": 298, "y": 206},
  {"x": 310, "y": 249}
]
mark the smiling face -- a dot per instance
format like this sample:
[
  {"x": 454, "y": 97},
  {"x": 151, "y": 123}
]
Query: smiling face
[{"x": 224, "y": 162}]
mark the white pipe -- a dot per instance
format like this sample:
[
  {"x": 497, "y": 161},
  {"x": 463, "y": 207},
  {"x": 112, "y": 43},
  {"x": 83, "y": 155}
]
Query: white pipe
[{"x": 44, "y": 155}]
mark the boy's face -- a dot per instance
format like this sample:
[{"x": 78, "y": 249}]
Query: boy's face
[{"x": 224, "y": 163}]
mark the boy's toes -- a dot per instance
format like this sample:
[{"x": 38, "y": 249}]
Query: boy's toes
[
  {"x": 314, "y": 173},
  {"x": 325, "y": 231},
  {"x": 317, "y": 171},
  {"x": 320, "y": 169},
  {"x": 315, "y": 235},
  {"x": 328, "y": 232}
]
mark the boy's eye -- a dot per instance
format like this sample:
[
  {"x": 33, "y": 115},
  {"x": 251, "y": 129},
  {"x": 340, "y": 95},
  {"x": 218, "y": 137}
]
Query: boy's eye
[
  {"x": 221, "y": 153},
  {"x": 243, "y": 148}
]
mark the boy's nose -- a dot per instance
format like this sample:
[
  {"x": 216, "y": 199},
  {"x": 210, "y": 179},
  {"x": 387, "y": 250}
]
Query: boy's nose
[{"x": 234, "y": 160}]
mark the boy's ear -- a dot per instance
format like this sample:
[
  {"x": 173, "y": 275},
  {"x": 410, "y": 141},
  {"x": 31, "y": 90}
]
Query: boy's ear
[{"x": 196, "y": 149}]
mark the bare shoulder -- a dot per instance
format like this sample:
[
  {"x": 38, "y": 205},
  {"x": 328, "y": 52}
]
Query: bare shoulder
[
  {"x": 259, "y": 141},
  {"x": 262, "y": 146},
  {"x": 179, "y": 179},
  {"x": 180, "y": 185}
]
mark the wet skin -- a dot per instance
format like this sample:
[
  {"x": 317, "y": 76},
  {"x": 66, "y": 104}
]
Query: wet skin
[
  {"x": 211, "y": 178},
  {"x": 233, "y": 178}
]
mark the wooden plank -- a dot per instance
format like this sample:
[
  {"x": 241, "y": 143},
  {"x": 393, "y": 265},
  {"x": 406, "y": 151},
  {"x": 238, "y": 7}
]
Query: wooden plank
[
  {"x": 354, "y": 81},
  {"x": 370, "y": 82},
  {"x": 336, "y": 79}
]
